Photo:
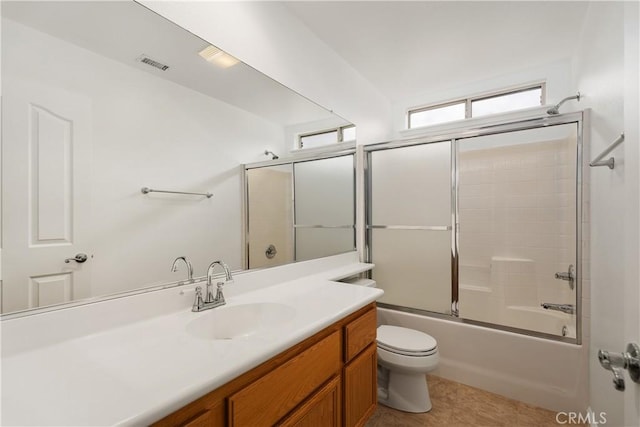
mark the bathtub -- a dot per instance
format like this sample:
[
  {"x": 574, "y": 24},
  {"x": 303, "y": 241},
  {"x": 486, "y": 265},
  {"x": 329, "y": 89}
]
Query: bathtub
[
  {"x": 478, "y": 303},
  {"x": 537, "y": 371},
  {"x": 539, "y": 319}
]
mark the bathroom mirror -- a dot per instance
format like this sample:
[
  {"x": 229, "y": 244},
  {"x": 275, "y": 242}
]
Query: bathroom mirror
[
  {"x": 300, "y": 210},
  {"x": 101, "y": 100}
]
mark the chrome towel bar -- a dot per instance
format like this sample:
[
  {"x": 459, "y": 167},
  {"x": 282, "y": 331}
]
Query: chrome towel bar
[
  {"x": 147, "y": 190},
  {"x": 610, "y": 161}
]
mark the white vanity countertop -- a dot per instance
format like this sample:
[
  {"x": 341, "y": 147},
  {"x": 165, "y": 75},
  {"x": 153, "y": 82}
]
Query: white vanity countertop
[{"x": 137, "y": 373}]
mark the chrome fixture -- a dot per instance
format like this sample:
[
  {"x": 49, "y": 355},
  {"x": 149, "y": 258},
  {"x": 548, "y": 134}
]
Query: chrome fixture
[
  {"x": 565, "y": 308},
  {"x": 569, "y": 276},
  {"x": 556, "y": 108},
  {"x": 610, "y": 161},
  {"x": 147, "y": 190},
  {"x": 174, "y": 268},
  {"x": 616, "y": 362},
  {"x": 271, "y": 252},
  {"x": 79, "y": 258},
  {"x": 274, "y": 155},
  {"x": 210, "y": 300}
]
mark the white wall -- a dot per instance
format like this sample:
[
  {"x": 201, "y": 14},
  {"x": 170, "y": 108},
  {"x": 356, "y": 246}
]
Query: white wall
[
  {"x": 149, "y": 132},
  {"x": 266, "y": 36},
  {"x": 608, "y": 78}
]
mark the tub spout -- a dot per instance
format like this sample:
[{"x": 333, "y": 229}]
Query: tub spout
[{"x": 565, "y": 308}]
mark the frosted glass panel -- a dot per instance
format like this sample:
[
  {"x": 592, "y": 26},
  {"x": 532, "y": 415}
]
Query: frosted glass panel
[
  {"x": 320, "y": 242},
  {"x": 413, "y": 267},
  {"x": 517, "y": 205},
  {"x": 325, "y": 191},
  {"x": 412, "y": 185}
]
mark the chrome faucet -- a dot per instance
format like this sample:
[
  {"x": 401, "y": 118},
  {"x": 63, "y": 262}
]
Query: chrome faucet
[
  {"x": 565, "y": 308},
  {"x": 174, "y": 268},
  {"x": 211, "y": 301}
]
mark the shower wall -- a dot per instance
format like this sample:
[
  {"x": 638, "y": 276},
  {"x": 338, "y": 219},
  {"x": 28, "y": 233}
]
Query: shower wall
[{"x": 517, "y": 210}]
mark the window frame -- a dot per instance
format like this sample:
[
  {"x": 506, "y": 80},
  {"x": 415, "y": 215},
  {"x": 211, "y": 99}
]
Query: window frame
[
  {"x": 468, "y": 113},
  {"x": 339, "y": 136}
]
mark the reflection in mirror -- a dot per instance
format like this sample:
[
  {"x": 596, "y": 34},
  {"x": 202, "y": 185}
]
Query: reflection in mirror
[
  {"x": 300, "y": 210},
  {"x": 101, "y": 99},
  {"x": 270, "y": 217},
  {"x": 324, "y": 207}
]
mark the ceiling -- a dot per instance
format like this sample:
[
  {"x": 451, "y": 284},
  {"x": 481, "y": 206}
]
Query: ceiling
[
  {"x": 404, "y": 48},
  {"x": 124, "y": 30}
]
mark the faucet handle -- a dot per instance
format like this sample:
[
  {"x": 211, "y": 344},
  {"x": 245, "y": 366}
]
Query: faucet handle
[
  {"x": 198, "y": 303},
  {"x": 219, "y": 294}
]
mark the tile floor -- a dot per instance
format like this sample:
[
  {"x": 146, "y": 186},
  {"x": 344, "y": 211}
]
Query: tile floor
[{"x": 459, "y": 405}]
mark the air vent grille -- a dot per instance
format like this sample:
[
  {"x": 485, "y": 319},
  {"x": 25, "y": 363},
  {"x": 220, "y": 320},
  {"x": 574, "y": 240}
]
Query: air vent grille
[{"x": 159, "y": 65}]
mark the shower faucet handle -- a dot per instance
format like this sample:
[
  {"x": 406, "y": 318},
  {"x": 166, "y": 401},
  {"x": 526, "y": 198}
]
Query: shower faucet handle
[
  {"x": 616, "y": 362},
  {"x": 569, "y": 276}
]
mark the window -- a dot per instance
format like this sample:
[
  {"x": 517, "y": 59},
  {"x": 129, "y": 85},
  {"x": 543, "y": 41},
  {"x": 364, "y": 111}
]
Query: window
[
  {"x": 506, "y": 102},
  {"x": 498, "y": 102},
  {"x": 438, "y": 114},
  {"x": 327, "y": 137}
]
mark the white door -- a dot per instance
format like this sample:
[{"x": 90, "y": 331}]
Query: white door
[{"x": 46, "y": 162}]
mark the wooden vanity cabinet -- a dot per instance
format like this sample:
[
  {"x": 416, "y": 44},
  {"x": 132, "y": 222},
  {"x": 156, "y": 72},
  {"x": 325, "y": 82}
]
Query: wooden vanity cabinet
[{"x": 328, "y": 380}]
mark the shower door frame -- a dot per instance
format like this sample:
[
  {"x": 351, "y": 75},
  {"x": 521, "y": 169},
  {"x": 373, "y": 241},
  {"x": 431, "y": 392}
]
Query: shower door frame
[
  {"x": 326, "y": 154},
  {"x": 577, "y": 118}
]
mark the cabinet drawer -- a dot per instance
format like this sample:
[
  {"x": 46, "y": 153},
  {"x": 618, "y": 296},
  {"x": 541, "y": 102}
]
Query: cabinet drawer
[
  {"x": 359, "y": 334},
  {"x": 321, "y": 409},
  {"x": 268, "y": 399}
]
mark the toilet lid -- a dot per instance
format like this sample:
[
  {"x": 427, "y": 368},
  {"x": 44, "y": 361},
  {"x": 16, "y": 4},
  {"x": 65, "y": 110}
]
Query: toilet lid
[{"x": 404, "y": 340}]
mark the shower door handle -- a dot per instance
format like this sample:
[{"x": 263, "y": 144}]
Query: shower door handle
[{"x": 569, "y": 276}]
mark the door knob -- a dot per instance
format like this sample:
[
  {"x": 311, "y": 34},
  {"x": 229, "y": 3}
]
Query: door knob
[
  {"x": 616, "y": 362},
  {"x": 79, "y": 258}
]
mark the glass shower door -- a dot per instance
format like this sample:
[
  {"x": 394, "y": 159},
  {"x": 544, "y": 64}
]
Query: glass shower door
[
  {"x": 410, "y": 225},
  {"x": 517, "y": 204},
  {"x": 324, "y": 207}
]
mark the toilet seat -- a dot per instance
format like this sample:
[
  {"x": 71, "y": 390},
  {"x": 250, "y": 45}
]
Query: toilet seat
[{"x": 404, "y": 341}]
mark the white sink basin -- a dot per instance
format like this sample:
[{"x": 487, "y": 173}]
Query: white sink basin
[{"x": 239, "y": 321}]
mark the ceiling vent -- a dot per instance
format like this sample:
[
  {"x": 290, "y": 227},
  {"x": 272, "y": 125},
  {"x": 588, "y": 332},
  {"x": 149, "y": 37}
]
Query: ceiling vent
[{"x": 146, "y": 60}]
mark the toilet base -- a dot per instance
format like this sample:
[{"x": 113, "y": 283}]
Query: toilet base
[{"x": 406, "y": 392}]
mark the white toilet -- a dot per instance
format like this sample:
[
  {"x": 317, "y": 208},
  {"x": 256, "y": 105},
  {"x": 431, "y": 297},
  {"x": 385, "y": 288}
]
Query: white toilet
[{"x": 404, "y": 357}]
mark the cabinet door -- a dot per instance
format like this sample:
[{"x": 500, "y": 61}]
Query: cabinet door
[
  {"x": 267, "y": 400},
  {"x": 321, "y": 409},
  {"x": 360, "y": 388}
]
